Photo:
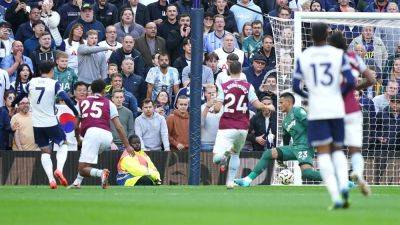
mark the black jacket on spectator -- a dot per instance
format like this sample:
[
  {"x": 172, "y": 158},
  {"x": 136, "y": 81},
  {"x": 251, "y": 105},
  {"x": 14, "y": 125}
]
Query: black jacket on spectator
[
  {"x": 386, "y": 125},
  {"x": 38, "y": 55},
  {"x": 141, "y": 15},
  {"x": 166, "y": 27},
  {"x": 175, "y": 44},
  {"x": 16, "y": 19},
  {"x": 252, "y": 78},
  {"x": 179, "y": 64},
  {"x": 257, "y": 128},
  {"x": 24, "y": 32},
  {"x": 271, "y": 59},
  {"x": 68, "y": 13},
  {"x": 119, "y": 55},
  {"x": 107, "y": 16},
  {"x": 5, "y": 129},
  {"x": 230, "y": 22},
  {"x": 157, "y": 11},
  {"x": 136, "y": 85}
]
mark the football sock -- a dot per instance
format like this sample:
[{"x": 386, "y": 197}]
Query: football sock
[
  {"x": 311, "y": 174},
  {"x": 357, "y": 161},
  {"x": 234, "y": 164},
  {"x": 328, "y": 175},
  {"x": 95, "y": 172},
  {"x": 78, "y": 179},
  {"x": 47, "y": 166},
  {"x": 263, "y": 163},
  {"x": 341, "y": 169},
  {"x": 62, "y": 156}
]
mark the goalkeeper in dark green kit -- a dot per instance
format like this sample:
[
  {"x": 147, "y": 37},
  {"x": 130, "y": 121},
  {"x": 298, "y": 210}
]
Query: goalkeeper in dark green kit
[{"x": 294, "y": 126}]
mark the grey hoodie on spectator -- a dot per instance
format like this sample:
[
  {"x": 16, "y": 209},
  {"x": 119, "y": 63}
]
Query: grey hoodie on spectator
[{"x": 92, "y": 64}]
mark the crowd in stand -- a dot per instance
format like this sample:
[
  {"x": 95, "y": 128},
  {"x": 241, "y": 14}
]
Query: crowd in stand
[{"x": 142, "y": 50}]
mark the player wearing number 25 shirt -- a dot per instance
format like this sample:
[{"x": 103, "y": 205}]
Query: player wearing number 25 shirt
[
  {"x": 96, "y": 114},
  {"x": 234, "y": 96}
]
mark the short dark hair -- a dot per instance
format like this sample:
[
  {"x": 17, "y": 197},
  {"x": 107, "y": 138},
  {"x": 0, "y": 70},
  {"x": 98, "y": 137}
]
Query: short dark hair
[
  {"x": 147, "y": 101},
  {"x": 98, "y": 86},
  {"x": 46, "y": 66},
  {"x": 115, "y": 75},
  {"x": 235, "y": 67},
  {"x": 132, "y": 137},
  {"x": 80, "y": 83},
  {"x": 117, "y": 91},
  {"x": 45, "y": 33},
  {"x": 319, "y": 32},
  {"x": 232, "y": 57},
  {"x": 211, "y": 55},
  {"x": 288, "y": 95},
  {"x": 256, "y": 22},
  {"x": 266, "y": 98},
  {"x": 183, "y": 15},
  {"x": 337, "y": 40}
]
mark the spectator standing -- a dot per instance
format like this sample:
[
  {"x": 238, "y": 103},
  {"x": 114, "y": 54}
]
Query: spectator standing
[
  {"x": 127, "y": 50},
  {"x": 68, "y": 13},
  {"x": 208, "y": 23},
  {"x": 175, "y": 37},
  {"x": 11, "y": 62},
  {"x": 5, "y": 85},
  {"x": 105, "y": 12},
  {"x": 256, "y": 72},
  {"x": 130, "y": 101},
  {"x": 43, "y": 52},
  {"x": 33, "y": 42},
  {"x": 65, "y": 75},
  {"x": 382, "y": 101},
  {"x": 21, "y": 124},
  {"x": 132, "y": 82},
  {"x": 17, "y": 14},
  {"x": 389, "y": 35},
  {"x": 221, "y": 7},
  {"x": 211, "y": 60},
  {"x": 92, "y": 64},
  {"x": 140, "y": 12},
  {"x": 157, "y": 11},
  {"x": 88, "y": 22},
  {"x": 51, "y": 19},
  {"x": 111, "y": 40},
  {"x": 24, "y": 75},
  {"x": 262, "y": 130},
  {"x": 209, "y": 119},
  {"x": 178, "y": 125},
  {"x": 268, "y": 50},
  {"x": 374, "y": 46},
  {"x": 213, "y": 40},
  {"x": 152, "y": 129},
  {"x": 253, "y": 43},
  {"x": 127, "y": 25},
  {"x": 5, "y": 39},
  {"x": 71, "y": 45},
  {"x": 227, "y": 48},
  {"x": 183, "y": 60},
  {"x": 162, "y": 77},
  {"x": 243, "y": 15},
  {"x": 25, "y": 30},
  {"x": 125, "y": 117},
  {"x": 170, "y": 23},
  {"x": 6, "y": 112},
  {"x": 150, "y": 44}
]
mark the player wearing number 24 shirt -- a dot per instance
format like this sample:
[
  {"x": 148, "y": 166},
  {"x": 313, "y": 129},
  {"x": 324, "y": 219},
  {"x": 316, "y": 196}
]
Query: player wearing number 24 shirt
[
  {"x": 234, "y": 96},
  {"x": 42, "y": 92}
]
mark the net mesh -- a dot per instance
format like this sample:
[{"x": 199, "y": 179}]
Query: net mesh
[{"x": 381, "y": 129}]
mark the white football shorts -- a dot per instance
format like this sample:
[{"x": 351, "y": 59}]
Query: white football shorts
[
  {"x": 229, "y": 139},
  {"x": 95, "y": 138},
  {"x": 353, "y": 125}
]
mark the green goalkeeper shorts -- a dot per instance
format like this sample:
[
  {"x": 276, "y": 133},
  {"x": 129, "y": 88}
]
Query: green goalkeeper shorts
[{"x": 303, "y": 154}]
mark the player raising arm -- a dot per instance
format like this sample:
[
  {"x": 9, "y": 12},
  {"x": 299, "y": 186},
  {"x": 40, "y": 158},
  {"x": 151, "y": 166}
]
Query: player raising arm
[
  {"x": 321, "y": 67},
  {"x": 294, "y": 126},
  {"x": 353, "y": 120},
  {"x": 42, "y": 92},
  {"x": 96, "y": 114},
  {"x": 234, "y": 96}
]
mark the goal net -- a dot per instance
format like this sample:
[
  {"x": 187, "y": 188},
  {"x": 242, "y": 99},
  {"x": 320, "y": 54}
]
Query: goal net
[{"x": 376, "y": 38}]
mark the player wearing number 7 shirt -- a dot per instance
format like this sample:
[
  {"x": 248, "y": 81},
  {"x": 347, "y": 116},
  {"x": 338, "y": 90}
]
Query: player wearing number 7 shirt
[
  {"x": 96, "y": 114},
  {"x": 233, "y": 95},
  {"x": 42, "y": 92}
]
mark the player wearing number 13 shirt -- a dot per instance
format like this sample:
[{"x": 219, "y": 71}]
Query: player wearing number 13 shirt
[
  {"x": 96, "y": 114},
  {"x": 234, "y": 95}
]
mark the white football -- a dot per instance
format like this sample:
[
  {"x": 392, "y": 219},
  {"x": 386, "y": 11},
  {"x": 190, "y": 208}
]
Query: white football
[{"x": 286, "y": 177}]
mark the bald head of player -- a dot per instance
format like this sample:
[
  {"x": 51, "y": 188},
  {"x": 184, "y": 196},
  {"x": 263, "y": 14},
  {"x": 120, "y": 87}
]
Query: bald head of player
[
  {"x": 98, "y": 86},
  {"x": 319, "y": 33},
  {"x": 235, "y": 68},
  {"x": 286, "y": 102}
]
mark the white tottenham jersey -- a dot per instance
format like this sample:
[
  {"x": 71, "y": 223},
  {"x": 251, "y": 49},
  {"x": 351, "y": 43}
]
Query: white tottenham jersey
[
  {"x": 42, "y": 94},
  {"x": 321, "y": 67},
  {"x": 4, "y": 85}
]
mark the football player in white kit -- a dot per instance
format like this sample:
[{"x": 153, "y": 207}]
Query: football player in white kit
[
  {"x": 354, "y": 119},
  {"x": 322, "y": 68},
  {"x": 42, "y": 92}
]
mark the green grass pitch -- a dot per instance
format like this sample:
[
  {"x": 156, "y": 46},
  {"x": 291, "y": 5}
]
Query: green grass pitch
[{"x": 189, "y": 205}]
